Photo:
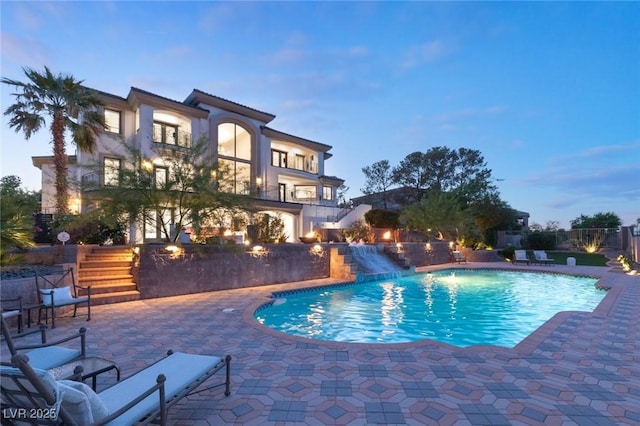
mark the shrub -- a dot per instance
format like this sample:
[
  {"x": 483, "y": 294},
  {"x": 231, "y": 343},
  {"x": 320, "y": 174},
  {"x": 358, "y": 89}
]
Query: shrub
[
  {"x": 356, "y": 232},
  {"x": 378, "y": 218},
  {"x": 542, "y": 240},
  {"x": 508, "y": 253}
]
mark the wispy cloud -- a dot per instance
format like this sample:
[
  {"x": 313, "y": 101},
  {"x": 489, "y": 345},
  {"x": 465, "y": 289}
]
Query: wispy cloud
[
  {"x": 469, "y": 113},
  {"x": 599, "y": 152},
  {"x": 588, "y": 180},
  {"x": 25, "y": 52},
  {"x": 428, "y": 52}
]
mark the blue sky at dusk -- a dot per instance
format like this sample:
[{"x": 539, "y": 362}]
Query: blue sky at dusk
[{"x": 548, "y": 92}]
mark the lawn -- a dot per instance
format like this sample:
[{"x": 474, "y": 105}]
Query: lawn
[{"x": 583, "y": 259}]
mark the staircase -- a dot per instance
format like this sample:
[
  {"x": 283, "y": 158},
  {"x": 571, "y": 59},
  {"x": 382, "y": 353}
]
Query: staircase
[{"x": 108, "y": 270}]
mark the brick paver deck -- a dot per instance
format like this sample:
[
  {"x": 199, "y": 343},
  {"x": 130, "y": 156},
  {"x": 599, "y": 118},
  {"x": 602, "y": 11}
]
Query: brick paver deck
[{"x": 578, "y": 369}]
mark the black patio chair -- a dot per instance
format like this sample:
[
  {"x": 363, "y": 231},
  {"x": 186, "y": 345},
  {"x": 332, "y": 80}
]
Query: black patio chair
[{"x": 53, "y": 293}]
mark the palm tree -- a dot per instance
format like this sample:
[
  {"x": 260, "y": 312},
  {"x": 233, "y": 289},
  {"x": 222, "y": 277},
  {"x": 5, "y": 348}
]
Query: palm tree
[{"x": 69, "y": 105}]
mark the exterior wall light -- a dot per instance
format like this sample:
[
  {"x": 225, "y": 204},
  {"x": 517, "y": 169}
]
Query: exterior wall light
[{"x": 317, "y": 250}]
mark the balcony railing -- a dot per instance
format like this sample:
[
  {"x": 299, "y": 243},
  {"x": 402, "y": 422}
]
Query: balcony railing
[{"x": 171, "y": 136}]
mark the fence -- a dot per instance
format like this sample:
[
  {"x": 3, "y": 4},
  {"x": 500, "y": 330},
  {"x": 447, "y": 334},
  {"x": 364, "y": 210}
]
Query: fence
[{"x": 571, "y": 239}]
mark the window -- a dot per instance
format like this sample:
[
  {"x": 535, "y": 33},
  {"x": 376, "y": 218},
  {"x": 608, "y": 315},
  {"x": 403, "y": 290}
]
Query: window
[
  {"x": 234, "y": 141},
  {"x": 112, "y": 121},
  {"x": 299, "y": 162},
  {"x": 305, "y": 192},
  {"x": 161, "y": 176},
  {"x": 327, "y": 193},
  {"x": 111, "y": 171},
  {"x": 234, "y": 150},
  {"x": 165, "y": 133},
  {"x": 278, "y": 158}
]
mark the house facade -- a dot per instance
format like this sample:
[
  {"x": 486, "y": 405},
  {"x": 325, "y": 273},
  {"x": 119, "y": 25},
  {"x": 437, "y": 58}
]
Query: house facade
[{"x": 283, "y": 174}]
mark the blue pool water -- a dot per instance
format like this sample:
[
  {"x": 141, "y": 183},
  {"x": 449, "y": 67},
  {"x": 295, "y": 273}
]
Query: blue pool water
[{"x": 461, "y": 307}]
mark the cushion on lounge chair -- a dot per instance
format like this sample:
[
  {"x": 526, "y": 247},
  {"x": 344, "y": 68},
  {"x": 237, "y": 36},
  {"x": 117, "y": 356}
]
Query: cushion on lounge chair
[
  {"x": 180, "y": 369},
  {"x": 52, "y": 356}
]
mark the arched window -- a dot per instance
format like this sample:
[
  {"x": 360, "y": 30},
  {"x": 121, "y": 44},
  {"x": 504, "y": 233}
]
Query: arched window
[{"x": 234, "y": 153}]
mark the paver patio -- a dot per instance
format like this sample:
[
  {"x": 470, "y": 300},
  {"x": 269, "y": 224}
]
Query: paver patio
[{"x": 578, "y": 369}]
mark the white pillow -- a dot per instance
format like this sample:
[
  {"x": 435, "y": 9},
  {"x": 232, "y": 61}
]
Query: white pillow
[
  {"x": 81, "y": 402},
  {"x": 60, "y": 295}
]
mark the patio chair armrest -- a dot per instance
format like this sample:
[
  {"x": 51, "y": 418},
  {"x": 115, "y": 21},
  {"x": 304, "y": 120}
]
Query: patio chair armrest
[
  {"x": 81, "y": 334},
  {"x": 18, "y": 301},
  {"x": 42, "y": 329},
  {"x": 158, "y": 387}
]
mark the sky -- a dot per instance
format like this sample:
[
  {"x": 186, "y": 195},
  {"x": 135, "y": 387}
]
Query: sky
[{"x": 548, "y": 92}]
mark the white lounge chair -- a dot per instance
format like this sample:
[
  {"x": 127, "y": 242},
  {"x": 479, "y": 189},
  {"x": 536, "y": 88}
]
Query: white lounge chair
[
  {"x": 542, "y": 258},
  {"x": 142, "y": 398},
  {"x": 521, "y": 256}
]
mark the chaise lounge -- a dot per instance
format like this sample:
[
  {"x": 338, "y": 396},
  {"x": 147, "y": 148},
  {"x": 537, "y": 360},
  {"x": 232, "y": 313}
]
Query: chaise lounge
[
  {"x": 541, "y": 257},
  {"x": 142, "y": 398},
  {"x": 520, "y": 256}
]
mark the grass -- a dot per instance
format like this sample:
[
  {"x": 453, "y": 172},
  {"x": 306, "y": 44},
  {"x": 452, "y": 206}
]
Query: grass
[{"x": 583, "y": 259}]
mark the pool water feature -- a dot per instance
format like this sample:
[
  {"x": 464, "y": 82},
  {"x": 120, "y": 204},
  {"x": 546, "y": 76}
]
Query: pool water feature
[{"x": 459, "y": 307}]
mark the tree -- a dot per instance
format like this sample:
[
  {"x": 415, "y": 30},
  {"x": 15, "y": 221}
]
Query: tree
[
  {"x": 440, "y": 215},
  {"x": 378, "y": 179},
  {"x": 342, "y": 195},
  {"x": 182, "y": 188},
  {"x": 16, "y": 221},
  {"x": 599, "y": 220},
  {"x": 442, "y": 169},
  {"x": 491, "y": 216},
  {"x": 413, "y": 172},
  {"x": 70, "y": 107}
]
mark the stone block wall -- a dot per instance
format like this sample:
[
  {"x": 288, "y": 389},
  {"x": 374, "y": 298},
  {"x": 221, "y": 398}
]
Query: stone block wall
[{"x": 200, "y": 268}]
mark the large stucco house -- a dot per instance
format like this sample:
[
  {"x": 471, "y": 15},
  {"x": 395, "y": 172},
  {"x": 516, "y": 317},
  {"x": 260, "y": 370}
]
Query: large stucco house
[{"x": 283, "y": 174}]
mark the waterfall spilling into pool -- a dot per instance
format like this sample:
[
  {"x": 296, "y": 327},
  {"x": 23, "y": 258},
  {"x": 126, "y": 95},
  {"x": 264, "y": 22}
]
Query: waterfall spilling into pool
[{"x": 374, "y": 264}]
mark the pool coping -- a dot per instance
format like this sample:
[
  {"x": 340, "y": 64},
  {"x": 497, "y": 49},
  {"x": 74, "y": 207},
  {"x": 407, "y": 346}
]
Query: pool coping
[{"x": 526, "y": 346}]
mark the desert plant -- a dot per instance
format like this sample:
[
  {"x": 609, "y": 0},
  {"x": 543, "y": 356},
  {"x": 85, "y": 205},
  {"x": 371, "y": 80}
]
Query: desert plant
[
  {"x": 356, "y": 232},
  {"x": 508, "y": 253},
  {"x": 270, "y": 228}
]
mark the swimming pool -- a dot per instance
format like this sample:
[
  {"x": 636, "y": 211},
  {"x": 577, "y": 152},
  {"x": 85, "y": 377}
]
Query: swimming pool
[{"x": 459, "y": 307}]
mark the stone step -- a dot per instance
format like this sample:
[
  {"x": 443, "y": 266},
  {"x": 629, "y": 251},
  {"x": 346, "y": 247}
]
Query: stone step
[
  {"x": 110, "y": 288},
  {"x": 117, "y": 297},
  {"x": 106, "y": 280},
  {"x": 84, "y": 273},
  {"x": 107, "y": 263},
  {"x": 108, "y": 257}
]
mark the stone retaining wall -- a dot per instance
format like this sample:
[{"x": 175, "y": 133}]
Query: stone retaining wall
[{"x": 200, "y": 268}]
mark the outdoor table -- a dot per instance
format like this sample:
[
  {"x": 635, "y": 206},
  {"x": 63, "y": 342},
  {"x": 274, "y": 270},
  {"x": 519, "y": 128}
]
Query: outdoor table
[{"x": 91, "y": 368}]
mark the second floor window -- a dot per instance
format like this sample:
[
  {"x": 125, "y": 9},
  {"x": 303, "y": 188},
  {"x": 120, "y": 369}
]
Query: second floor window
[
  {"x": 278, "y": 158},
  {"x": 327, "y": 193},
  {"x": 165, "y": 133},
  {"x": 234, "y": 141},
  {"x": 111, "y": 171},
  {"x": 112, "y": 121},
  {"x": 305, "y": 192}
]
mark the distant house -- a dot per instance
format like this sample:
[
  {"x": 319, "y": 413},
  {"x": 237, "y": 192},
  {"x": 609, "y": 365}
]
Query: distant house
[
  {"x": 282, "y": 173},
  {"x": 396, "y": 199}
]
